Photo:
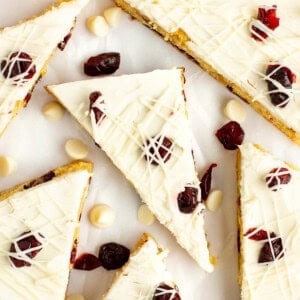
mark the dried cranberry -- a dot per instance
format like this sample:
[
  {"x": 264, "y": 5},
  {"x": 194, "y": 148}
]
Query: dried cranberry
[
  {"x": 73, "y": 255},
  {"x": 94, "y": 97},
  {"x": 166, "y": 292},
  {"x": 25, "y": 244},
  {"x": 188, "y": 200},
  {"x": 231, "y": 135},
  {"x": 47, "y": 177},
  {"x": 27, "y": 98},
  {"x": 267, "y": 16},
  {"x": 18, "y": 66},
  {"x": 271, "y": 250},
  {"x": 62, "y": 45},
  {"x": 158, "y": 149},
  {"x": 277, "y": 177},
  {"x": 278, "y": 79},
  {"x": 258, "y": 235},
  {"x": 113, "y": 256},
  {"x": 99, "y": 114},
  {"x": 205, "y": 182},
  {"x": 105, "y": 63},
  {"x": 87, "y": 262}
]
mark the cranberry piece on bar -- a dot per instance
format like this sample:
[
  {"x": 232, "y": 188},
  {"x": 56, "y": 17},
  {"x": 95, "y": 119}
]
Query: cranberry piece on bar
[
  {"x": 25, "y": 245},
  {"x": 278, "y": 177}
]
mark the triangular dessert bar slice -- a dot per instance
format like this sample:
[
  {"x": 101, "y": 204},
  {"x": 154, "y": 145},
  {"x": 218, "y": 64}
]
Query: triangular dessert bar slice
[
  {"x": 252, "y": 47},
  {"x": 144, "y": 276},
  {"x": 39, "y": 226},
  {"x": 25, "y": 51},
  {"x": 140, "y": 121},
  {"x": 269, "y": 222}
]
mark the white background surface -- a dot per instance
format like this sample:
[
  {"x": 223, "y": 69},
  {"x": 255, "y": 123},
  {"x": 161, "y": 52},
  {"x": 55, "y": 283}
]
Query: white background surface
[{"x": 38, "y": 146}]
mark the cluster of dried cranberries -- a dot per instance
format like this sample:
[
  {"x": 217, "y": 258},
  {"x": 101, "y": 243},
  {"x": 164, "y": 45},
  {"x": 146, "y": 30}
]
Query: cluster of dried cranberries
[
  {"x": 279, "y": 78},
  {"x": 111, "y": 256},
  {"x": 272, "y": 248}
]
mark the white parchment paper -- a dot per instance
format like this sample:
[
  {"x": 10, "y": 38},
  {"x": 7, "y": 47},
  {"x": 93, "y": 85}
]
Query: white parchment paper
[{"x": 38, "y": 145}]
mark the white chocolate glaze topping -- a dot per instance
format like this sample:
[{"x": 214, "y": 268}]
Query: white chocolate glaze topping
[
  {"x": 139, "y": 112},
  {"x": 38, "y": 37},
  {"x": 49, "y": 213},
  {"x": 269, "y": 217}
]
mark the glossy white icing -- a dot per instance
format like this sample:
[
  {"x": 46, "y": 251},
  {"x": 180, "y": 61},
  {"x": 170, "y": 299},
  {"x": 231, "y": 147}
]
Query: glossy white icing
[
  {"x": 38, "y": 37},
  {"x": 277, "y": 212},
  {"x": 51, "y": 210},
  {"x": 144, "y": 272},
  {"x": 219, "y": 33},
  {"x": 138, "y": 108}
]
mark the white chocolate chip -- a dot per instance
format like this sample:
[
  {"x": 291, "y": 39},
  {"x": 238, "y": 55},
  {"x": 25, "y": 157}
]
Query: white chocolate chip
[
  {"x": 235, "y": 111},
  {"x": 113, "y": 16},
  {"x": 214, "y": 200},
  {"x": 7, "y": 166},
  {"x": 53, "y": 111},
  {"x": 76, "y": 149},
  {"x": 102, "y": 216},
  {"x": 75, "y": 297},
  {"x": 145, "y": 216},
  {"x": 97, "y": 25}
]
